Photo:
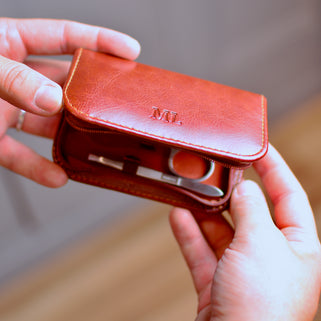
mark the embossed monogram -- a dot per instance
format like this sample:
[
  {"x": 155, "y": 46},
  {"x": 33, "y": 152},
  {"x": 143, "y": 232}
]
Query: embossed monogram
[{"x": 165, "y": 115}]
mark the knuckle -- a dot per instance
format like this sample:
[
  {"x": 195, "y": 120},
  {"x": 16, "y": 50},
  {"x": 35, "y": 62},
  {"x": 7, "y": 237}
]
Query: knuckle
[
  {"x": 66, "y": 27},
  {"x": 14, "y": 75},
  {"x": 12, "y": 45},
  {"x": 5, "y": 36}
]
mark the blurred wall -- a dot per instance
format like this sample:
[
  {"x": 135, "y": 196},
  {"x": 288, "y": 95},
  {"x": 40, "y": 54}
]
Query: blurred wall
[{"x": 271, "y": 47}]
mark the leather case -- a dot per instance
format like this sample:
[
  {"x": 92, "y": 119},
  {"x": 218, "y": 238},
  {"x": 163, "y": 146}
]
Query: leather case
[{"x": 142, "y": 118}]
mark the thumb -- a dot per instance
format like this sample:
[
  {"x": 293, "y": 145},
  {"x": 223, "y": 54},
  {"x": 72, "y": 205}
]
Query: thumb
[
  {"x": 27, "y": 89},
  {"x": 249, "y": 209}
]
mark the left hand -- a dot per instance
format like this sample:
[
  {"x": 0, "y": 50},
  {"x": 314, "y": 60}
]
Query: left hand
[{"x": 35, "y": 85}]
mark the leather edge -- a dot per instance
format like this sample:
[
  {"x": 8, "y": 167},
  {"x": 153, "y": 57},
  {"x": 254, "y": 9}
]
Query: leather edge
[{"x": 242, "y": 160}]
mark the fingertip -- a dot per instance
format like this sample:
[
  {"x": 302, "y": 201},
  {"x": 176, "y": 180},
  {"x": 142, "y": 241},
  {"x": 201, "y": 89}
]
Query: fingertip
[
  {"x": 246, "y": 195},
  {"x": 183, "y": 224},
  {"x": 178, "y": 215},
  {"x": 125, "y": 46},
  {"x": 179, "y": 211},
  {"x": 246, "y": 188},
  {"x": 55, "y": 177},
  {"x": 118, "y": 44},
  {"x": 248, "y": 207},
  {"x": 48, "y": 99},
  {"x": 135, "y": 48}
]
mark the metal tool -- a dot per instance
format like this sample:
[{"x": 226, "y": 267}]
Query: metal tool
[
  {"x": 211, "y": 166},
  {"x": 189, "y": 184}
]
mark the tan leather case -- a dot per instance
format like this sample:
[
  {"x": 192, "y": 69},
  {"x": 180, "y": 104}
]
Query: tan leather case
[{"x": 137, "y": 114}]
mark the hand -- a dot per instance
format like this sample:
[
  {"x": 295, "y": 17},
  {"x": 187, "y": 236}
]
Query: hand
[
  {"x": 35, "y": 85},
  {"x": 264, "y": 269}
]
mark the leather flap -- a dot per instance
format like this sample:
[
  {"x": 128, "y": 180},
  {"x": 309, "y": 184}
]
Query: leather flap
[{"x": 218, "y": 121}]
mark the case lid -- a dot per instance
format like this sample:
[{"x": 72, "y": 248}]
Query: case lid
[{"x": 215, "y": 120}]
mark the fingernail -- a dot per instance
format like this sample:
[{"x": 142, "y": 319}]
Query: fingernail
[{"x": 49, "y": 98}]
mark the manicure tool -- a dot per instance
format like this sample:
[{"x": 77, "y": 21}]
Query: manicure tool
[{"x": 187, "y": 183}]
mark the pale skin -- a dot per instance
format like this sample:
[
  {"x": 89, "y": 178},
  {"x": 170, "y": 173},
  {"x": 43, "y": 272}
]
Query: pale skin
[
  {"x": 261, "y": 270},
  {"x": 35, "y": 85},
  {"x": 264, "y": 269}
]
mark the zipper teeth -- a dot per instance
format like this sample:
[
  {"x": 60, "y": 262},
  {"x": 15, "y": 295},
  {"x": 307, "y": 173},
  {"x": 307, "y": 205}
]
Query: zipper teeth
[{"x": 225, "y": 164}]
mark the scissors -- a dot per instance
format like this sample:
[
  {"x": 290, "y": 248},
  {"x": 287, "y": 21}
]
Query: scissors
[
  {"x": 209, "y": 164},
  {"x": 190, "y": 184}
]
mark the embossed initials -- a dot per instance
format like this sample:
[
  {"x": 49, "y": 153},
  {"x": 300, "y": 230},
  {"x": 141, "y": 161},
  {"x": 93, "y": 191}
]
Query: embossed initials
[{"x": 165, "y": 115}]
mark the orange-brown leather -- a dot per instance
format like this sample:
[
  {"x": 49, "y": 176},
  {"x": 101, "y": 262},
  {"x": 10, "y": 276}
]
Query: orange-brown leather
[{"x": 118, "y": 109}]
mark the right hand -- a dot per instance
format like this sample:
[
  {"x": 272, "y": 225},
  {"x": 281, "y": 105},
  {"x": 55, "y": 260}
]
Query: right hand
[{"x": 264, "y": 269}]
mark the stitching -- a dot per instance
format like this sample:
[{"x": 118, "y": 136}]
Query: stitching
[
  {"x": 79, "y": 177},
  {"x": 72, "y": 76},
  {"x": 92, "y": 181},
  {"x": 262, "y": 122},
  {"x": 157, "y": 136}
]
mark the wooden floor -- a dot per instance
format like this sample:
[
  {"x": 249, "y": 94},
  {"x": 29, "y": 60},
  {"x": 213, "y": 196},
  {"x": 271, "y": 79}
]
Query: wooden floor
[{"x": 135, "y": 272}]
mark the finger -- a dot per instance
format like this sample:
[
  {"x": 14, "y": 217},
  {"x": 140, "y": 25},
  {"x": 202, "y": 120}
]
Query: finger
[
  {"x": 39, "y": 125},
  {"x": 291, "y": 205},
  {"x": 9, "y": 116},
  {"x": 22, "y": 160},
  {"x": 218, "y": 233},
  {"x": 249, "y": 210},
  {"x": 32, "y": 124},
  {"x": 56, "y": 70},
  {"x": 27, "y": 89},
  {"x": 53, "y": 37},
  {"x": 197, "y": 253}
]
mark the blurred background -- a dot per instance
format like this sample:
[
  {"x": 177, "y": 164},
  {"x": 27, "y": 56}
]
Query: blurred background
[{"x": 89, "y": 254}]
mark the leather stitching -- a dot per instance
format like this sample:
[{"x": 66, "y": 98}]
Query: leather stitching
[
  {"x": 70, "y": 105},
  {"x": 173, "y": 201}
]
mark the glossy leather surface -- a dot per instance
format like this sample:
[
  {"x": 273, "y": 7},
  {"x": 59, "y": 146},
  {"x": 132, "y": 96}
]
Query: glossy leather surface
[
  {"x": 127, "y": 111},
  {"x": 186, "y": 112}
]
